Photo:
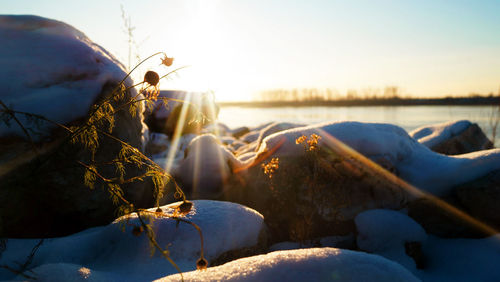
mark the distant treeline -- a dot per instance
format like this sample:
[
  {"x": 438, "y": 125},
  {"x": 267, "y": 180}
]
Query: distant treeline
[
  {"x": 315, "y": 94},
  {"x": 389, "y": 96}
]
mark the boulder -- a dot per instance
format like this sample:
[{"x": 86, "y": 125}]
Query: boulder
[
  {"x": 167, "y": 116},
  {"x": 312, "y": 181},
  {"x": 478, "y": 198},
  {"x": 206, "y": 168},
  {"x": 313, "y": 195},
  {"x": 481, "y": 198},
  {"x": 440, "y": 221},
  {"x": 453, "y": 138},
  {"x": 51, "y": 69},
  {"x": 122, "y": 250}
]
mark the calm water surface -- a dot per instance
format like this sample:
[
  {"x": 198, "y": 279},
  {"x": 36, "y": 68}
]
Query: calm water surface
[{"x": 408, "y": 117}]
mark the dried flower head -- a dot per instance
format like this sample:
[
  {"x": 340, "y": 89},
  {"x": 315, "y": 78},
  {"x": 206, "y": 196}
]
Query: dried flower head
[
  {"x": 301, "y": 139},
  {"x": 167, "y": 61},
  {"x": 152, "y": 90},
  {"x": 271, "y": 167},
  {"x": 201, "y": 264},
  {"x": 137, "y": 231},
  {"x": 152, "y": 78},
  {"x": 184, "y": 208},
  {"x": 313, "y": 142}
]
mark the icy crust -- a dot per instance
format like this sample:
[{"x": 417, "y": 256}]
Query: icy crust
[
  {"x": 108, "y": 252},
  {"x": 51, "y": 69},
  {"x": 435, "y": 134},
  {"x": 417, "y": 164},
  {"x": 320, "y": 264}
]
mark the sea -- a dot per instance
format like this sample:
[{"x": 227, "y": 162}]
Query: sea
[{"x": 407, "y": 117}]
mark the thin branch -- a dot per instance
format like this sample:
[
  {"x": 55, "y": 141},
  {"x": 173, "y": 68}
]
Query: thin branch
[{"x": 12, "y": 114}]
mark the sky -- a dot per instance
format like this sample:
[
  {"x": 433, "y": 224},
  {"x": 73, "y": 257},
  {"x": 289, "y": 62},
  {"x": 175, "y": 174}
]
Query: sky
[{"x": 239, "y": 47}]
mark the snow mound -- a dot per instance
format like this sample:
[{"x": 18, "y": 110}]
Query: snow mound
[
  {"x": 380, "y": 230},
  {"x": 415, "y": 163},
  {"x": 51, "y": 69},
  {"x": 225, "y": 226},
  {"x": 461, "y": 260},
  {"x": 433, "y": 135},
  {"x": 321, "y": 264},
  {"x": 385, "y": 232}
]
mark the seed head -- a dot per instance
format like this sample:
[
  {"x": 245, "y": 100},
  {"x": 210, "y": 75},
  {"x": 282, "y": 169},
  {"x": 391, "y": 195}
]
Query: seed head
[
  {"x": 201, "y": 264},
  {"x": 167, "y": 61},
  {"x": 152, "y": 78},
  {"x": 137, "y": 230},
  {"x": 185, "y": 207}
]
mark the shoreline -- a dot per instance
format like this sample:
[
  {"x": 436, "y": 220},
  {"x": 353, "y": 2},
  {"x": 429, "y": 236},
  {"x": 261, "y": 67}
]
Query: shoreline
[{"x": 473, "y": 101}]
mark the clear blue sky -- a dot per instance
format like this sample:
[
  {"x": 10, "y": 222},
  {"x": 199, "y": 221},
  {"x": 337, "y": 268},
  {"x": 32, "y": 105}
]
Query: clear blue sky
[{"x": 428, "y": 48}]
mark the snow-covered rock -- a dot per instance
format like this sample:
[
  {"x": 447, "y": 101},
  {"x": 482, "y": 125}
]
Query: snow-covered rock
[
  {"x": 181, "y": 111},
  {"x": 325, "y": 264},
  {"x": 51, "y": 69},
  {"x": 453, "y": 138},
  {"x": 206, "y": 167},
  {"x": 316, "y": 193},
  {"x": 112, "y": 254},
  {"x": 416, "y": 164},
  {"x": 481, "y": 198}
]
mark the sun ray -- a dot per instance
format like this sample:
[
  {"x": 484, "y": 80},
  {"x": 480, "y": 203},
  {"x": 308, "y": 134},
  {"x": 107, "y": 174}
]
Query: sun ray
[
  {"x": 343, "y": 149},
  {"x": 174, "y": 145}
]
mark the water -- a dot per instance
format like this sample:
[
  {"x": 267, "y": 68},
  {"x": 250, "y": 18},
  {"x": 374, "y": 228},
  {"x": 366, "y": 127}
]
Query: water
[{"x": 408, "y": 117}]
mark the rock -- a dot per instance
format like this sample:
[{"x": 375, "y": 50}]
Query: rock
[
  {"x": 313, "y": 195},
  {"x": 440, "y": 221},
  {"x": 59, "y": 73},
  {"x": 122, "y": 252},
  {"x": 481, "y": 198},
  {"x": 167, "y": 117},
  {"x": 240, "y": 131},
  {"x": 453, "y": 138},
  {"x": 206, "y": 168},
  {"x": 414, "y": 250},
  {"x": 478, "y": 198},
  {"x": 470, "y": 140}
]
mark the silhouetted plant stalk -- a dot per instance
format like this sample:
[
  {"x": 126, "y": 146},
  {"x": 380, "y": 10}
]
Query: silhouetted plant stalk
[{"x": 100, "y": 123}]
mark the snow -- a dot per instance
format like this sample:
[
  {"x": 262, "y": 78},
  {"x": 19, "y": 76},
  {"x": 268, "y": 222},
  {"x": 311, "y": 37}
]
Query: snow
[
  {"x": 417, "y": 164},
  {"x": 121, "y": 256},
  {"x": 51, "y": 69},
  {"x": 385, "y": 232},
  {"x": 380, "y": 230},
  {"x": 320, "y": 264},
  {"x": 435, "y": 134},
  {"x": 457, "y": 260}
]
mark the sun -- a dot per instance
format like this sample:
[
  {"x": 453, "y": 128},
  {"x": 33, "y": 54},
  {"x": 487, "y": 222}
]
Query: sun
[{"x": 212, "y": 62}]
